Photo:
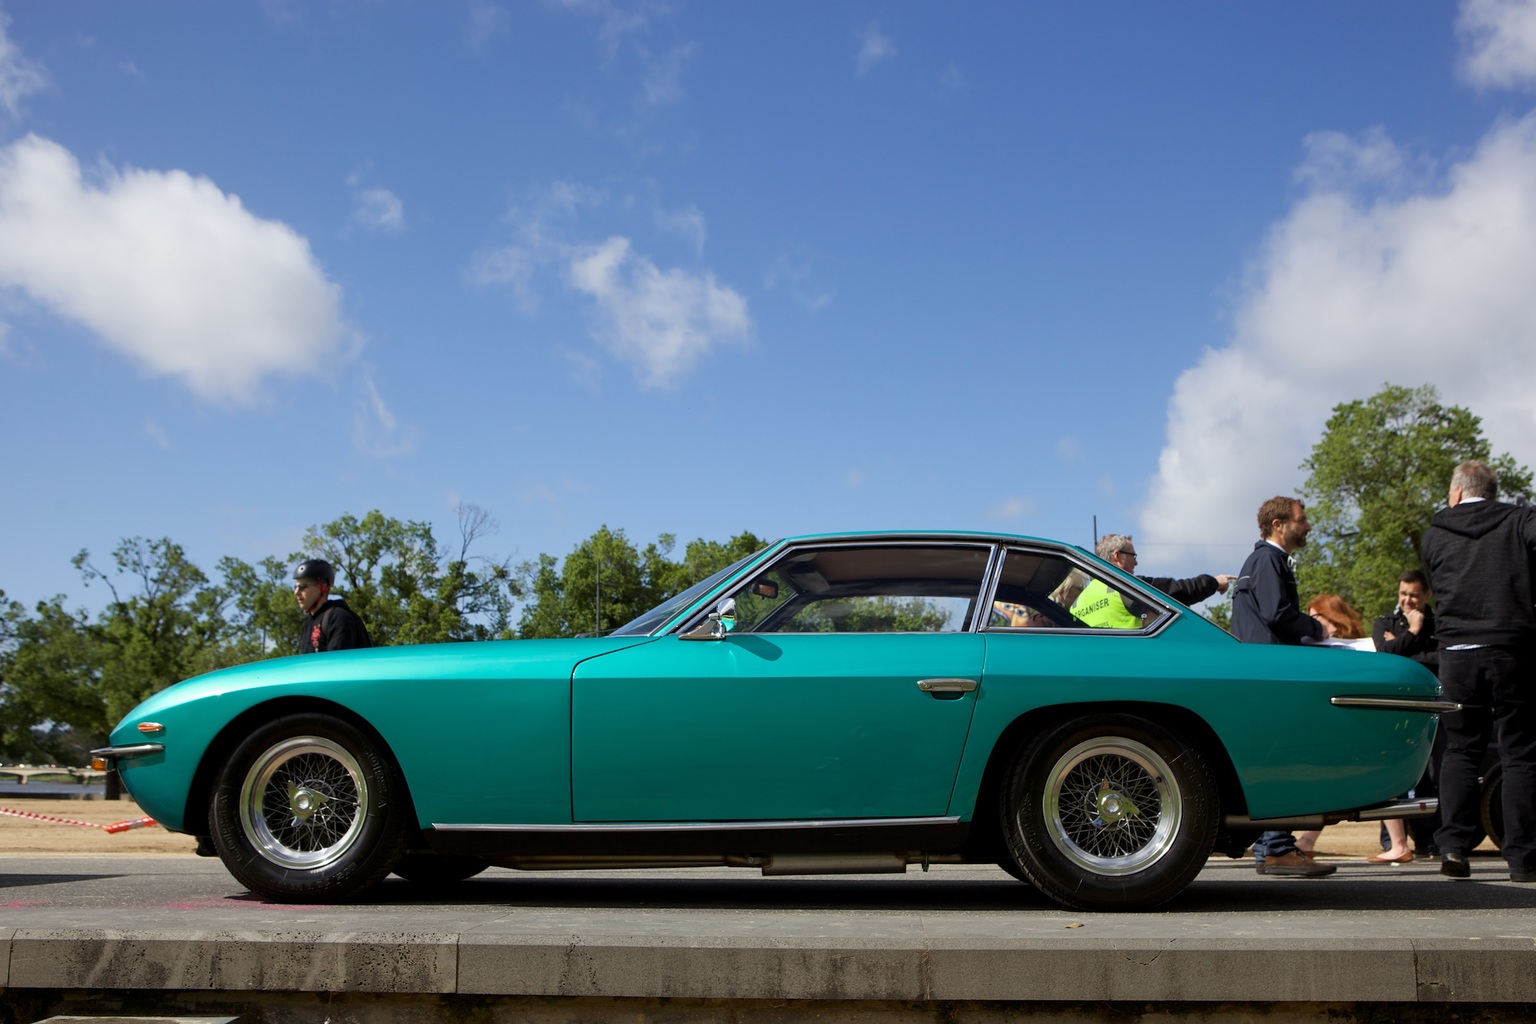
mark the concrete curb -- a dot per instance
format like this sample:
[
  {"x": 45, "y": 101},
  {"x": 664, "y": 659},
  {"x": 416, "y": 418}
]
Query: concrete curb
[{"x": 772, "y": 968}]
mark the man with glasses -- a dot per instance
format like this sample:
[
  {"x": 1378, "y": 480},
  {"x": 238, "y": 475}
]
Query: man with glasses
[
  {"x": 329, "y": 625},
  {"x": 1120, "y": 551}
]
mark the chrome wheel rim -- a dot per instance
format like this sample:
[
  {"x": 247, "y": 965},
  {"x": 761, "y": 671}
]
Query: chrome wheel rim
[
  {"x": 302, "y": 804},
  {"x": 1112, "y": 806}
]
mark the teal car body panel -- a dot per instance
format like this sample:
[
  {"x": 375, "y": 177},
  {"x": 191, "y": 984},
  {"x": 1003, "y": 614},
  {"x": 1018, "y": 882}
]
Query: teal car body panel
[{"x": 772, "y": 726}]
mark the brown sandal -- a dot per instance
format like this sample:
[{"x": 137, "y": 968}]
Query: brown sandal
[{"x": 1406, "y": 858}]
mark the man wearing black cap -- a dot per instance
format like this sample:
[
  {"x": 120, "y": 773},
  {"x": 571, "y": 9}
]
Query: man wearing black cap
[{"x": 329, "y": 625}]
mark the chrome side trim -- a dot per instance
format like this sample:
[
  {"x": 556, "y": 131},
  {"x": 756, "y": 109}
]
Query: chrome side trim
[
  {"x": 1395, "y": 703},
  {"x": 710, "y": 826},
  {"x": 131, "y": 750}
]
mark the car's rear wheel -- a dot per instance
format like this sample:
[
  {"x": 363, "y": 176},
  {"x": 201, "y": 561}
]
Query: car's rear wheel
[
  {"x": 1112, "y": 812},
  {"x": 426, "y": 868},
  {"x": 308, "y": 808}
]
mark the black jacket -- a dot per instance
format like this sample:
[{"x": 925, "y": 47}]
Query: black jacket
[
  {"x": 1265, "y": 608},
  {"x": 333, "y": 627},
  {"x": 1190, "y": 591},
  {"x": 1423, "y": 648},
  {"x": 1478, "y": 558}
]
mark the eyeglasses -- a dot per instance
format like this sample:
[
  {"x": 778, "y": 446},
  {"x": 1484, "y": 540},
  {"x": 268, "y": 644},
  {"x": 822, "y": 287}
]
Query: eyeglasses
[{"x": 1129, "y": 554}]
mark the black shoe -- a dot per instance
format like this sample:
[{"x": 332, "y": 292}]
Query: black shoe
[
  {"x": 1522, "y": 876},
  {"x": 205, "y": 847},
  {"x": 1454, "y": 865}
]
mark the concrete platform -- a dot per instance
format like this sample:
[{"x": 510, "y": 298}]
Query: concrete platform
[{"x": 692, "y": 942}]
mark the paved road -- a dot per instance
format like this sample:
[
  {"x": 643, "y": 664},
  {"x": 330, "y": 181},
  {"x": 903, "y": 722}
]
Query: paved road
[{"x": 1228, "y": 899}]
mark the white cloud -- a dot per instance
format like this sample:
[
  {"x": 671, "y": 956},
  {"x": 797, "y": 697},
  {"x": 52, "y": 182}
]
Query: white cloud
[
  {"x": 875, "y": 47},
  {"x": 1352, "y": 291},
  {"x": 658, "y": 321},
  {"x": 662, "y": 81},
  {"x": 688, "y": 223},
  {"x": 487, "y": 21},
  {"x": 375, "y": 429},
  {"x": 1498, "y": 42},
  {"x": 1013, "y": 509},
  {"x": 167, "y": 269},
  {"x": 19, "y": 76},
  {"x": 156, "y": 433},
  {"x": 378, "y": 209},
  {"x": 661, "y": 322},
  {"x": 795, "y": 274}
]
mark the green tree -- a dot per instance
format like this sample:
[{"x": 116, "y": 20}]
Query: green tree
[
  {"x": 50, "y": 707},
  {"x": 1377, "y": 475},
  {"x": 65, "y": 680},
  {"x": 170, "y": 628},
  {"x": 407, "y": 588},
  {"x": 606, "y": 581}
]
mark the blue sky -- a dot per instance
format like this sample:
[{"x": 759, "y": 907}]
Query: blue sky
[{"x": 699, "y": 267}]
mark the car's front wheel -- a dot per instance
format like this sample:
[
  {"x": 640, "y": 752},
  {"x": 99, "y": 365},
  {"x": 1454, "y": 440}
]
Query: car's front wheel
[
  {"x": 1111, "y": 812},
  {"x": 308, "y": 808}
]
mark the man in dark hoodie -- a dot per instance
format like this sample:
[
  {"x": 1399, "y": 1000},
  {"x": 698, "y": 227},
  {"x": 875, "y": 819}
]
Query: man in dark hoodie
[
  {"x": 1477, "y": 554},
  {"x": 329, "y": 625}
]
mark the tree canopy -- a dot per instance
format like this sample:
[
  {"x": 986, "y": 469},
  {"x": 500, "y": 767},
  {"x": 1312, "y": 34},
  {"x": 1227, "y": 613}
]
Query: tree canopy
[{"x": 1376, "y": 476}]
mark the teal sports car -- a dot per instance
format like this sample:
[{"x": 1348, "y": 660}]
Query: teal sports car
[{"x": 832, "y": 704}]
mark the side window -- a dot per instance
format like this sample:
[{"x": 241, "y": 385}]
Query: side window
[
  {"x": 1043, "y": 590},
  {"x": 853, "y": 588}
]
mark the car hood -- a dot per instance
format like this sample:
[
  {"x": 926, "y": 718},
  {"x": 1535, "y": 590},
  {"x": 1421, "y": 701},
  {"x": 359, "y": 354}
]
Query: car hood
[{"x": 319, "y": 673}]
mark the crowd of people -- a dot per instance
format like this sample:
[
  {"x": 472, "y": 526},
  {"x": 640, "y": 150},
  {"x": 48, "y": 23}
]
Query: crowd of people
[{"x": 1480, "y": 639}]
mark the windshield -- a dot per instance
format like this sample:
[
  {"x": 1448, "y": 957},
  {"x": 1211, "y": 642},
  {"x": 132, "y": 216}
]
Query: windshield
[{"x": 649, "y": 622}]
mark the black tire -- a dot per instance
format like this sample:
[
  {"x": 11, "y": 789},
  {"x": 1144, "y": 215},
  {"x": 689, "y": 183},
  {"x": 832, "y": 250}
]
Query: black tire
[
  {"x": 1491, "y": 804},
  {"x": 309, "y": 809},
  {"x": 1111, "y": 812},
  {"x": 1014, "y": 870},
  {"x": 426, "y": 868}
]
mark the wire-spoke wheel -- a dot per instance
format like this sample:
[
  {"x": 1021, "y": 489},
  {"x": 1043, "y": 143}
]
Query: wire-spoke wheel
[
  {"x": 308, "y": 808},
  {"x": 1111, "y": 805},
  {"x": 302, "y": 802},
  {"x": 1109, "y": 813}
]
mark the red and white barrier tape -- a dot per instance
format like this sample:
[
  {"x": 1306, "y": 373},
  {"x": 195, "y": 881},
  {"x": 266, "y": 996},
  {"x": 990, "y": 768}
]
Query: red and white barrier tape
[{"x": 112, "y": 829}]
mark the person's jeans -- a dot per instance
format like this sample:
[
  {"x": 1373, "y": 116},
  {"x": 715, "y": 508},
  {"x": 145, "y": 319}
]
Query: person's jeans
[{"x": 1273, "y": 844}]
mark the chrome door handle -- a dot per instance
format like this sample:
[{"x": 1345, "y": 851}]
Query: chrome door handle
[{"x": 946, "y": 685}]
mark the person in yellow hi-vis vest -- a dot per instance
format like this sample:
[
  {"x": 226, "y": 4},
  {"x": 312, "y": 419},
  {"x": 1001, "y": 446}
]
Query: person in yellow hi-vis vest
[{"x": 1101, "y": 607}]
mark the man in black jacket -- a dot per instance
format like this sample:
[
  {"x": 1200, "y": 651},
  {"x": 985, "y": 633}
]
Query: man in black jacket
[
  {"x": 1409, "y": 630},
  {"x": 1118, "y": 550},
  {"x": 329, "y": 625},
  {"x": 1477, "y": 554},
  {"x": 1266, "y": 610}
]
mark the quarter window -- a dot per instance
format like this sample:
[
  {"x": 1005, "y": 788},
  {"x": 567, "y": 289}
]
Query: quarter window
[{"x": 1045, "y": 590}]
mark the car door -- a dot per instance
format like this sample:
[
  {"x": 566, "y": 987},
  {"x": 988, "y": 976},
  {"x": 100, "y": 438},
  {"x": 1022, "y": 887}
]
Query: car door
[{"x": 846, "y": 719}]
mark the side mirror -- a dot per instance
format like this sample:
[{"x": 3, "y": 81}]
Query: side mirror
[{"x": 720, "y": 622}]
